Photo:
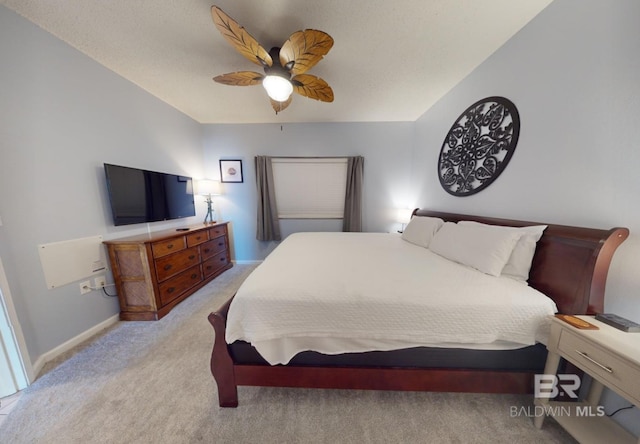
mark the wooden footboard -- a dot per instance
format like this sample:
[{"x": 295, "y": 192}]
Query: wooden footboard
[{"x": 221, "y": 362}]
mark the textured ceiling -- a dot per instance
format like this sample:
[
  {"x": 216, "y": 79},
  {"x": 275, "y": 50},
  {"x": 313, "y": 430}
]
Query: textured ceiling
[{"x": 391, "y": 61}]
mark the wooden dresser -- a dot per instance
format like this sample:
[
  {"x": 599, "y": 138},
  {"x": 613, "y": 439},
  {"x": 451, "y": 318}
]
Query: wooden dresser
[{"x": 154, "y": 272}]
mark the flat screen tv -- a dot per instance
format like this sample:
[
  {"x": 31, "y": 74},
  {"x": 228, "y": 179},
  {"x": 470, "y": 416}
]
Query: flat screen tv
[{"x": 139, "y": 196}]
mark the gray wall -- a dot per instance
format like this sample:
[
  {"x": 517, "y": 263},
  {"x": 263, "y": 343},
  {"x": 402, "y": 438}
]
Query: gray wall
[
  {"x": 61, "y": 116},
  {"x": 386, "y": 148}
]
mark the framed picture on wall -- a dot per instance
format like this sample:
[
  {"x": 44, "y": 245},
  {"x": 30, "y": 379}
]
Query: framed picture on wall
[{"x": 231, "y": 171}]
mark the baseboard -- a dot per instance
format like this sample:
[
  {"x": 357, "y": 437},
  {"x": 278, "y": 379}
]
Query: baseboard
[
  {"x": 52, "y": 354},
  {"x": 247, "y": 262}
]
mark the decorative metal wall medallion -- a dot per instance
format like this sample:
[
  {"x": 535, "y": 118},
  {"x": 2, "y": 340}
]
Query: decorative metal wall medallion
[{"x": 478, "y": 146}]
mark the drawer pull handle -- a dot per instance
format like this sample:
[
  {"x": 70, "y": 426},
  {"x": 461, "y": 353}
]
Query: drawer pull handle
[
  {"x": 167, "y": 267},
  {"x": 206, "y": 250},
  {"x": 589, "y": 358},
  {"x": 194, "y": 275},
  {"x": 191, "y": 257},
  {"x": 170, "y": 290},
  {"x": 220, "y": 244},
  {"x": 169, "y": 247}
]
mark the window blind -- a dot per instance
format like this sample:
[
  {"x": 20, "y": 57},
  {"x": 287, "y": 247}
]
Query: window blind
[{"x": 310, "y": 188}]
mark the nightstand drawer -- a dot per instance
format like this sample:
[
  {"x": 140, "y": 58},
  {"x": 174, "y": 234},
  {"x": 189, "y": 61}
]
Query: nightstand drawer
[{"x": 601, "y": 363}]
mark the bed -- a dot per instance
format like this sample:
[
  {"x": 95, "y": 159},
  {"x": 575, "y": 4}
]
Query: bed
[{"x": 403, "y": 343}]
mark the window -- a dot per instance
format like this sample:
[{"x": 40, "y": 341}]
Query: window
[{"x": 310, "y": 188}]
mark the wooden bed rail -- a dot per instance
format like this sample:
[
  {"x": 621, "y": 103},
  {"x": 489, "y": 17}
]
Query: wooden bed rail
[{"x": 229, "y": 375}]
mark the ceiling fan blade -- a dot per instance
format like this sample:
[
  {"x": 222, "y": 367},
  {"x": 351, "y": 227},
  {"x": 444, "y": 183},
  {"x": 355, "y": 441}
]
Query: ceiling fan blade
[
  {"x": 240, "y": 78},
  {"x": 312, "y": 87},
  {"x": 304, "y": 49},
  {"x": 240, "y": 38},
  {"x": 280, "y": 106}
]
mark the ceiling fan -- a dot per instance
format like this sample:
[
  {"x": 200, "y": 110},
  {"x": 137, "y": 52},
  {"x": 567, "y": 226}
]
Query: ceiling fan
[{"x": 284, "y": 68}]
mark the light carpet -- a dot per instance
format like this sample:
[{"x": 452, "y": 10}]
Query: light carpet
[{"x": 149, "y": 382}]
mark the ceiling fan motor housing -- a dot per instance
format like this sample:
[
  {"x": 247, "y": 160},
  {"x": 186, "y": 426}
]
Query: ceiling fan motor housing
[{"x": 276, "y": 68}]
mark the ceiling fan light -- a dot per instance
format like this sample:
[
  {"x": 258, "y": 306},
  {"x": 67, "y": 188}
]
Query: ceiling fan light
[{"x": 278, "y": 88}]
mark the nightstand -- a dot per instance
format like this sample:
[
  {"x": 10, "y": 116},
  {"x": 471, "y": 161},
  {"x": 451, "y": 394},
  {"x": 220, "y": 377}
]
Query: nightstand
[{"x": 612, "y": 358}]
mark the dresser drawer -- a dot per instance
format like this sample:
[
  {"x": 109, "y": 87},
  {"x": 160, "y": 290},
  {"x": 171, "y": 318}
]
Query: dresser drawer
[
  {"x": 174, "y": 287},
  {"x": 173, "y": 264},
  {"x": 197, "y": 238},
  {"x": 218, "y": 231},
  {"x": 214, "y": 264},
  {"x": 213, "y": 247},
  {"x": 163, "y": 248},
  {"x": 600, "y": 363}
]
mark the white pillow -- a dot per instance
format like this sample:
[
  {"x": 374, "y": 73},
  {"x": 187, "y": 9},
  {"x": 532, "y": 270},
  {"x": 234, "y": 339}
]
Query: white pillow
[
  {"x": 478, "y": 247},
  {"x": 420, "y": 230},
  {"x": 519, "y": 264}
]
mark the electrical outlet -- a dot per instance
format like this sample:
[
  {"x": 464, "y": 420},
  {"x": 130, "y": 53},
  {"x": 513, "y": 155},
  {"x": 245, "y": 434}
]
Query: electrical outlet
[
  {"x": 99, "y": 282},
  {"x": 85, "y": 287}
]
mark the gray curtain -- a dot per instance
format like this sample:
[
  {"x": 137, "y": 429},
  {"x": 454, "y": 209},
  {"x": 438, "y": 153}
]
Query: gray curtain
[
  {"x": 268, "y": 223},
  {"x": 353, "y": 200}
]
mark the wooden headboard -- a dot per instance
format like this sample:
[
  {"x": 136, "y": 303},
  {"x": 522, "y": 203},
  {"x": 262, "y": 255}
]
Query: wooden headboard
[{"x": 570, "y": 264}]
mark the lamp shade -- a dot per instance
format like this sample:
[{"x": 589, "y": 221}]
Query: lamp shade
[
  {"x": 278, "y": 88},
  {"x": 209, "y": 187},
  {"x": 404, "y": 215}
]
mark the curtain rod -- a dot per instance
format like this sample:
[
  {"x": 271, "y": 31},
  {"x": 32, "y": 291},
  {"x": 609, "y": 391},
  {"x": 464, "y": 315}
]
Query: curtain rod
[{"x": 312, "y": 157}]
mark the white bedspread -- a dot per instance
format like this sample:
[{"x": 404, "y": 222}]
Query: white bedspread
[{"x": 353, "y": 292}]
